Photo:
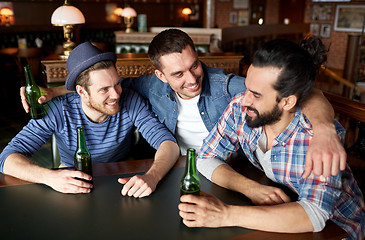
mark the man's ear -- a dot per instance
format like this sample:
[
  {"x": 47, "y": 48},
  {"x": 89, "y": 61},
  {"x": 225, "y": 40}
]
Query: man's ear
[
  {"x": 160, "y": 75},
  {"x": 289, "y": 102},
  {"x": 81, "y": 91}
]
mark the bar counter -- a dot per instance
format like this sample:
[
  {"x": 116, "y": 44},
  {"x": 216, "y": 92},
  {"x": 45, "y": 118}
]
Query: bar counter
[{"x": 35, "y": 211}]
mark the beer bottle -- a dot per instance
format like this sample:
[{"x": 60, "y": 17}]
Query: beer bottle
[
  {"x": 32, "y": 92},
  {"x": 190, "y": 183},
  {"x": 82, "y": 157}
]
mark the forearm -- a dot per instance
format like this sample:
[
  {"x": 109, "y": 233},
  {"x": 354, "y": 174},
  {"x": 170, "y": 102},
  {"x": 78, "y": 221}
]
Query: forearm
[
  {"x": 65, "y": 181},
  {"x": 165, "y": 158},
  {"x": 286, "y": 218},
  {"x": 19, "y": 166},
  {"x": 319, "y": 111},
  {"x": 227, "y": 177},
  {"x": 58, "y": 91}
]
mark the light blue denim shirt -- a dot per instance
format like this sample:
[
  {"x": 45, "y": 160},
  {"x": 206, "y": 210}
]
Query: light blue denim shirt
[{"x": 218, "y": 90}]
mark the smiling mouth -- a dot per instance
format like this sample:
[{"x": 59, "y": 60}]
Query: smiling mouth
[
  {"x": 112, "y": 103},
  {"x": 251, "y": 111},
  {"x": 193, "y": 87}
]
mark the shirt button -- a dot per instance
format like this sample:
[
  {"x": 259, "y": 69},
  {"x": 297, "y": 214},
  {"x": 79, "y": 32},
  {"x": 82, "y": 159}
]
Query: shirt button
[
  {"x": 175, "y": 110},
  {"x": 202, "y": 113}
]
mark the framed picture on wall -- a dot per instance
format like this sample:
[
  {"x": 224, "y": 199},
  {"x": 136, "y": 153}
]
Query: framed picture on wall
[
  {"x": 233, "y": 17},
  {"x": 242, "y": 17},
  {"x": 240, "y": 4},
  {"x": 321, "y": 12},
  {"x": 349, "y": 18},
  {"x": 314, "y": 29},
  {"x": 325, "y": 30},
  {"x": 331, "y": 0}
]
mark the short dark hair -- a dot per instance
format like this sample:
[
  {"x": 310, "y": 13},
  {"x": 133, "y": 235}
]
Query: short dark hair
[
  {"x": 299, "y": 65},
  {"x": 84, "y": 77},
  {"x": 167, "y": 42}
]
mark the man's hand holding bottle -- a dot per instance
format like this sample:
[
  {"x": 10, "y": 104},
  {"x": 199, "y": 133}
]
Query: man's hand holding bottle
[{"x": 47, "y": 95}]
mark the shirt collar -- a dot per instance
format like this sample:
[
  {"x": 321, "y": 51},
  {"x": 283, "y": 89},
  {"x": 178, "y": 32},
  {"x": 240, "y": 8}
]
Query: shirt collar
[
  {"x": 285, "y": 135},
  {"x": 205, "y": 82}
]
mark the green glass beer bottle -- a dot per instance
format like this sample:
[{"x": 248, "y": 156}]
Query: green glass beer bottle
[
  {"x": 82, "y": 157},
  {"x": 32, "y": 92},
  {"x": 190, "y": 183}
]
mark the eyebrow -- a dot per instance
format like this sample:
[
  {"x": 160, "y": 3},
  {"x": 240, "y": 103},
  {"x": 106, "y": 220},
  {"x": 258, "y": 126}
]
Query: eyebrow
[
  {"x": 177, "y": 72},
  {"x": 108, "y": 86},
  {"x": 254, "y": 92}
]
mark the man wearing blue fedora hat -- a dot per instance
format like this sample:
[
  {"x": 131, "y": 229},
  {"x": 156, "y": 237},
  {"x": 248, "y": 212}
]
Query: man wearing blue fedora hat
[
  {"x": 108, "y": 115},
  {"x": 190, "y": 97}
]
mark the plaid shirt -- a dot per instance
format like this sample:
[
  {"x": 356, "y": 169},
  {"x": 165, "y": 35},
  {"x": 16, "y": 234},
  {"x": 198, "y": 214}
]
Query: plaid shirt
[{"x": 338, "y": 195}]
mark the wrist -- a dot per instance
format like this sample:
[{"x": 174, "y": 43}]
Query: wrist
[
  {"x": 249, "y": 188},
  {"x": 154, "y": 176},
  {"x": 45, "y": 175},
  {"x": 230, "y": 218},
  {"x": 324, "y": 128}
]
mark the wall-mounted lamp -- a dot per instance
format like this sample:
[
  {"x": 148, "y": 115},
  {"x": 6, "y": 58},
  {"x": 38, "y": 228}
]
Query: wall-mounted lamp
[
  {"x": 118, "y": 11},
  {"x": 186, "y": 11},
  {"x": 129, "y": 14},
  {"x": 67, "y": 16},
  {"x": 6, "y": 16},
  {"x": 117, "y": 15}
]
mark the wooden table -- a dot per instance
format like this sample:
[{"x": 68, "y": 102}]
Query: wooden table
[{"x": 35, "y": 211}]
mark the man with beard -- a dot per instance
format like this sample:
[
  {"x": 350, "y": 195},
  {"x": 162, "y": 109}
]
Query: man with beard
[
  {"x": 190, "y": 97},
  {"x": 266, "y": 122},
  {"x": 108, "y": 115}
]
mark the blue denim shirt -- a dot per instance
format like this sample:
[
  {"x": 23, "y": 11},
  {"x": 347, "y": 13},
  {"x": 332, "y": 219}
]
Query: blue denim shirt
[{"x": 218, "y": 90}]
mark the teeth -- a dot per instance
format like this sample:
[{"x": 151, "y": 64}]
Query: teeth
[
  {"x": 194, "y": 86},
  {"x": 112, "y": 103}
]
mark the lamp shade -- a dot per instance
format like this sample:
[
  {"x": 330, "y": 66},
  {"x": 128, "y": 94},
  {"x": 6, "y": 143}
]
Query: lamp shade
[
  {"x": 186, "y": 11},
  {"x": 118, "y": 11},
  {"x": 67, "y": 15},
  {"x": 6, "y": 12},
  {"x": 129, "y": 12}
]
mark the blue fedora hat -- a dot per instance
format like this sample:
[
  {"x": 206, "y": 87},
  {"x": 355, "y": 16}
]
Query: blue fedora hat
[{"x": 82, "y": 57}]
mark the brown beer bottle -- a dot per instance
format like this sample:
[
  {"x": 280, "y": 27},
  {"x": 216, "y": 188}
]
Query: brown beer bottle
[
  {"x": 190, "y": 183},
  {"x": 82, "y": 157}
]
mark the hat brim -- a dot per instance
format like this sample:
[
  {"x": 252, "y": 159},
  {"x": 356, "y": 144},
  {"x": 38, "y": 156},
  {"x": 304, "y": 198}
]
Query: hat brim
[{"x": 72, "y": 76}]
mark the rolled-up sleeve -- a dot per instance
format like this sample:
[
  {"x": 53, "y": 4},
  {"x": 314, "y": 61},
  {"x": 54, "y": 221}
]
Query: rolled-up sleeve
[{"x": 207, "y": 166}]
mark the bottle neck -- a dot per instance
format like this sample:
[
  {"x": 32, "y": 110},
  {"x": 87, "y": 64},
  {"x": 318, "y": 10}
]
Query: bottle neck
[
  {"x": 190, "y": 163},
  {"x": 28, "y": 75},
  {"x": 81, "y": 143}
]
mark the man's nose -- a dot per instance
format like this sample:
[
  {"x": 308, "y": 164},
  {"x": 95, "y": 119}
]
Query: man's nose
[
  {"x": 247, "y": 99},
  {"x": 115, "y": 93},
  {"x": 190, "y": 77}
]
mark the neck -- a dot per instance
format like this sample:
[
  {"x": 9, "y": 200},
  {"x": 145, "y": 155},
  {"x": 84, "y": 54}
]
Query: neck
[
  {"x": 274, "y": 130},
  {"x": 92, "y": 114}
]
